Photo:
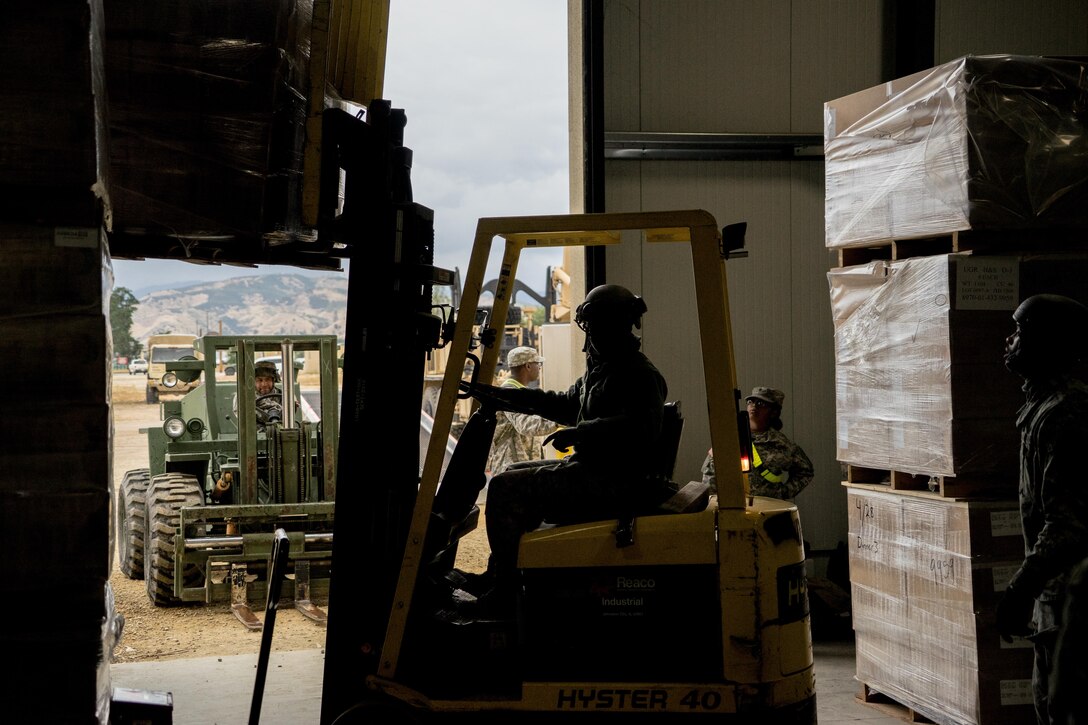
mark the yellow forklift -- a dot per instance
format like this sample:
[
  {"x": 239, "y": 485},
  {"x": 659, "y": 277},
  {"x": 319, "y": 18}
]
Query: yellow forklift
[{"x": 690, "y": 611}]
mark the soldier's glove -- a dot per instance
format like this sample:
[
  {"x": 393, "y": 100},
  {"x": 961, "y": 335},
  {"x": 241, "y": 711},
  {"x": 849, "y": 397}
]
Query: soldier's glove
[
  {"x": 1014, "y": 614},
  {"x": 563, "y": 439}
]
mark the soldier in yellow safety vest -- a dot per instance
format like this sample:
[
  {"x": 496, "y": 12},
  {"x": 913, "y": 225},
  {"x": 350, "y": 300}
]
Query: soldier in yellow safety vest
[
  {"x": 780, "y": 468},
  {"x": 516, "y": 433}
]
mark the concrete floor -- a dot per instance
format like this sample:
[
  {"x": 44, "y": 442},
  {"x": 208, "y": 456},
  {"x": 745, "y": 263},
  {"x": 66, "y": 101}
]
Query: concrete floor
[{"x": 218, "y": 690}]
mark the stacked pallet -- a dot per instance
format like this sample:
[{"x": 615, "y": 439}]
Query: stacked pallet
[
  {"x": 207, "y": 106},
  {"x": 952, "y": 195},
  {"x": 925, "y": 575},
  {"x": 55, "y": 281}
]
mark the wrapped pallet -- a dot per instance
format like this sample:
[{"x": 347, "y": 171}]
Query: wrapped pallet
[
  {"x": 207, "y": 110},
  {"x": 980, "y": 143},
  {"x": 926, "y": 574},
  {"x": 56, "y": 472},
  {"x": 53, "y": 155},
  {"x": 920, "y": 382}
]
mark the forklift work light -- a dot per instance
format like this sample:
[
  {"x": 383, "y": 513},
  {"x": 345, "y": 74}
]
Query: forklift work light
[{"x": 174, "y": 427}]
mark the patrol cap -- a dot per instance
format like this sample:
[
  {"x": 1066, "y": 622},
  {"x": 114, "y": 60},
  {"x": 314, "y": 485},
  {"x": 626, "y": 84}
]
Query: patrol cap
[
  {"x": 767, "y": 395},
  {"x": 522, "y": 356}
]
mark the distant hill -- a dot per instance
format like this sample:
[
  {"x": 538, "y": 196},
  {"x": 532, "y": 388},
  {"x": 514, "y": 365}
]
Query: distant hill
[{"x": 251, "y": 305}]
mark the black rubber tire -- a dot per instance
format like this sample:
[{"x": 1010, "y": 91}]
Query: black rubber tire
[
  {"x": 152, "y": 395},
  {"x": 167, "y": 495},
  {"x": 132, "y": 522},
  {"x": 383, "y": 712}
]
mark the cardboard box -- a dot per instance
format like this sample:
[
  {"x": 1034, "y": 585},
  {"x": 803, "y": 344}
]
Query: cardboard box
[
  {"x": 64, "y": 654},
  {"x": 54, "y": 270},
  {"x": 923, "y": 612},
  {"x": 57, "y": 447},
  {"x": 207, "y": 115},
  {"x": 53, "y": 137},
  {"x": 77, "y": 523},
  {"x": 71, "y": 356},
  {"x": 982, "y": 142},
  {"x": 921, "y": 385}
]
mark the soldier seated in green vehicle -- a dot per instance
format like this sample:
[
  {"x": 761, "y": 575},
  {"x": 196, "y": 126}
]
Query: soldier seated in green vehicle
[{"x": 269, "y": 400}]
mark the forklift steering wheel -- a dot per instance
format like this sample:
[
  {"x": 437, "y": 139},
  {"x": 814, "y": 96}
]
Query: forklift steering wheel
[{"x": 263, "y": 416}]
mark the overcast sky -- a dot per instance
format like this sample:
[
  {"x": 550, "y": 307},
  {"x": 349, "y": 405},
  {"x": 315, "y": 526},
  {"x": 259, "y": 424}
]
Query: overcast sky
[{"x": 484, "y": 86}]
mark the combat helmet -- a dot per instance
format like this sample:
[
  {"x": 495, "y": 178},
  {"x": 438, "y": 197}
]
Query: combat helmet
[
  {"x": 266, "y": 369},
  {"x": 610, "y": 306},
  {"x": 1052, "y": 336}
]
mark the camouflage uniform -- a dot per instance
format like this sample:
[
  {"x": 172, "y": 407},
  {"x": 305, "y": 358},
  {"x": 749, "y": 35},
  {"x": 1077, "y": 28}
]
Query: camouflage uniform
[
  {"x": 617, "y": 407},
  {"x": 269, "y": 406},
  {"x": 778, "y": 454},
  {"x": 516, "y": 436},
  {"x": 1069, "y": 674},
  {"x": 1053, "y": 427}
]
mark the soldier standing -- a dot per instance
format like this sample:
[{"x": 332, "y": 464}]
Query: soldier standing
[
  {"x": 516, "y": 433},
  {"x": 1046, "y": 350},
  {"x": 780, "y": 467}
]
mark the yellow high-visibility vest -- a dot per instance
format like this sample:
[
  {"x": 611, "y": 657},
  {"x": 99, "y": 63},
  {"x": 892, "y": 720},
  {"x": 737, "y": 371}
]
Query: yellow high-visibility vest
[{"x": 765, "y": 473}]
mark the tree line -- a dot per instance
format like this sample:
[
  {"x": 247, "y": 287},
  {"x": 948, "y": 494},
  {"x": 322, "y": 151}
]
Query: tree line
[{"x": 122, "y": 305}]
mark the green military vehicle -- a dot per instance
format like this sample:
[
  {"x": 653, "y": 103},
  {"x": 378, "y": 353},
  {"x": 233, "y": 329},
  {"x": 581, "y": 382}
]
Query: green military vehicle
[{"x": 226, "y": 469}]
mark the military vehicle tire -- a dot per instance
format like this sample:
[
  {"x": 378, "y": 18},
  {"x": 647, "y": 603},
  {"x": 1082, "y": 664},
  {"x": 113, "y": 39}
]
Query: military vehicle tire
[
  {"x": 167, "y": 495},
  {"x": 132, "y": 522},
  {"x": 152, "y": 395}
]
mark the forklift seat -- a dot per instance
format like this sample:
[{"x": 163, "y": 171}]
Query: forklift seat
[
  {"x": 672, "y": 427},
  {"x": 662, "y": 495},
  {"x": 692, "y": 498}
]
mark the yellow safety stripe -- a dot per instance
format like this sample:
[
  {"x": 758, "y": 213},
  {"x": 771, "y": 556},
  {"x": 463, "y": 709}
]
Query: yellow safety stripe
[{"x": 765, "y": 473}]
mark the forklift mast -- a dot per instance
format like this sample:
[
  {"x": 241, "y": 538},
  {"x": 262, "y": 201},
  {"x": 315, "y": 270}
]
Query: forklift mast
[{"x": 389, "y": 241}]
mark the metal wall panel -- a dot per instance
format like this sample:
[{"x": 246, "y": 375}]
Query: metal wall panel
[
  {"x": 760, "y": 287},
  {"x": 621, "y": 65},
  {"x": 981, "y": 27},
  {"x": 822, "y": 33},
  {"x": 714, "y": 66}
]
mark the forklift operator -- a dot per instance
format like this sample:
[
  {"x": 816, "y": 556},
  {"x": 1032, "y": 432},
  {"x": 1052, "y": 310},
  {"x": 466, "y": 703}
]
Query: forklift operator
[
  {"x": 613, "y": 415},
  {"x": 269, "y": 400}
]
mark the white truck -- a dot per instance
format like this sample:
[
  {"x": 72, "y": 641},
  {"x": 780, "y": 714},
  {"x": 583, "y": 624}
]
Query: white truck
[{"x": 162, "y": 349}]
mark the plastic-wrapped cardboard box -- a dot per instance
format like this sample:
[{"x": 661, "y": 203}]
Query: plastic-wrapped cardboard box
[
  {"x": 993, "y": 142},
  {"x": 53, "y": 147},
  {"x": 920, "y": 382},
  {"x": 56, "y": 472},
  {"x": 926, "y": 574},
  {"x": 54, "y": 270},
  {"x": 207, "y": 108}
]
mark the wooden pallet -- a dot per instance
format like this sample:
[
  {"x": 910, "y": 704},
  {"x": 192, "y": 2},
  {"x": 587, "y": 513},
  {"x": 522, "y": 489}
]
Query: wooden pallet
[
  {"x": 988, "y": 242},
  {"x": 955, "y": 487},
  {"x": 887, "y": 705}
]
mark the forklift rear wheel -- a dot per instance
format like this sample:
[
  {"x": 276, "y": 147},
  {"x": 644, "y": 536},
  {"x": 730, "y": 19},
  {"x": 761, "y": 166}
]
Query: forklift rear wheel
[
  {"x": 167, "y": 495},
  {"x": 132, "y": 522},
  {"x": 378, "y": 712}
]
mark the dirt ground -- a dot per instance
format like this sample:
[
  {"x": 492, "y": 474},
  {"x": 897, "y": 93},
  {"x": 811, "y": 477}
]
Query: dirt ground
[{"x": 153, "y": 633}]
